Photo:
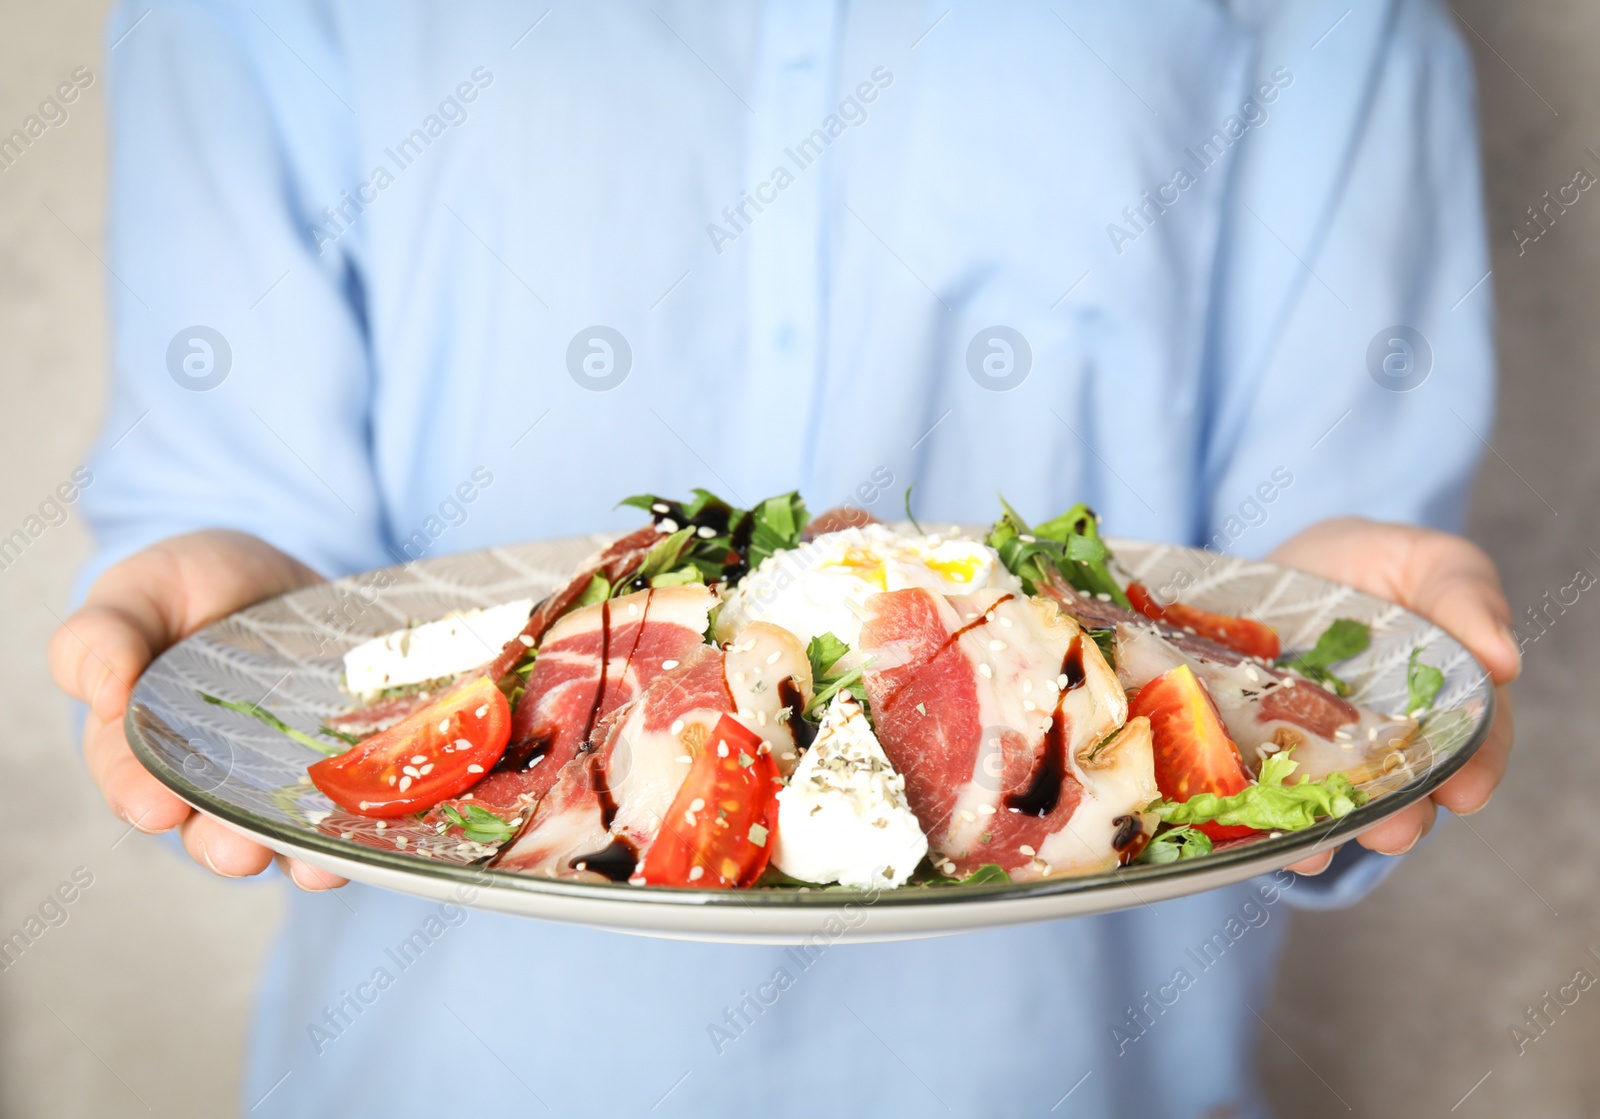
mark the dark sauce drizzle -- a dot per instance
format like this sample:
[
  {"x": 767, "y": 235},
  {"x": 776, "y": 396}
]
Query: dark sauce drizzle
[
  {"x": 789, "y": 695},
  {"x": 605, "y": 659},
  {"x": 1044, "y": 786},
  {"x": 718, "y": 520},
  {"x": 617, "y": 859}
]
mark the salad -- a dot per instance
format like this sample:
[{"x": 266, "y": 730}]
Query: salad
[{"x": 747, "y": 698}]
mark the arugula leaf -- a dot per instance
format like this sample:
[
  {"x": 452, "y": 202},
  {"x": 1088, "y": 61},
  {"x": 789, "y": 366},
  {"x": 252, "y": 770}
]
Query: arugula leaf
[
  {"x": 678, "y": 577},
  {"x": 342, "y": 735},
  {"x": 1423, "y": 682},
  {"x": 824, "y": 652},
  {"x": 1070, "y": 544},
  {"x": 598, "y": 590},
  {"x": 274, "y": 722},
  {"x": 776, "y": 525},
  {"x": 1105, "y": 638},
  {"x": 988, "y": 872},
  {"x": 479, "y": 824},
  {"x": 928, "y": 875},
  {"x": 910, "y": 516},
  {"x": 1182, "y": 842},
  {"x": 1270, "y": 805},
  {"x": 1340, "y": 641}
]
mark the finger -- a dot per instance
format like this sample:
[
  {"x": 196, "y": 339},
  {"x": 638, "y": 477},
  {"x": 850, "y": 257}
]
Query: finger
[
  {"x": 96, "y": 655},
  {"x": 1400, "y": 832},
  {"x": 129, "y": 789},
  {"x": 309, "y": 878},
  {"x": 1454, "y": 584},
  {"x": 1316, "y": 864},
  {"x": 222, "y": 850},
  {"x": 1471, "y": 787}
]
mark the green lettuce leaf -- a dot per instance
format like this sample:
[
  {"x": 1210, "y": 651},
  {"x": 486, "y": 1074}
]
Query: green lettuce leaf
[
  {"x": 1070, "y": 544},
  {"x": 824, "y": 653},
  {"x": 479, "y": 824},
  {"x": 1269, "y": 805}
]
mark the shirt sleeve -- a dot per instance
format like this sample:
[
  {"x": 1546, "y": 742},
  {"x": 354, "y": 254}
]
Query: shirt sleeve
[
  {"x": 1351, "y": 351},
  {"x": 241, "y": 377},
  {"x": 1350, "y": 345}
]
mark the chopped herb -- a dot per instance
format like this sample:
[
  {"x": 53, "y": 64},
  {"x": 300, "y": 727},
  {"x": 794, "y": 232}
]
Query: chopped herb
[
  {"x": 342, "y": 735},
  {"x": 479, "y": 824},
  {"x": 758, "y": 835},
  {"x": 1105, "y": 639},
  {"x": 1340, "y": 641},
  {"x": 272, "y": 721},
  {"x": 1423, "y": 682},
  {"x": 1174, "y": 844},
  {"x": 921, "y": 710},
  {"x": 929, "y": 875}
]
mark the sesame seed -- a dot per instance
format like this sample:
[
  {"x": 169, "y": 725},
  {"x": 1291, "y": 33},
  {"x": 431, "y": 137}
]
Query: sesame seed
[
  {"x": 411, "y": 771},
  {"x": 482, "y": 711},
  {"x": 772, "y": 658},
  {"x": 667, "y": 526},
  {"x": 401, "y": 842},
  {"x": 381, "y": 824},
  {"x": 526, "y": 640},
  {"x": 1061, "y": 681},
  {"x": 986, "y": 672},
  {"x": 986, "y": 810},
  {"x": 697, "y": 804},
  {"x": 685, "y": 759},
  {"x": 462, "y": 744},
  {"x": 967, "y": 816},
  {"x": 1251, "y": 674},
  {"x": 1029, "y": 705},
  {"x": 444, "y": 726},
  {"x": 722, "y": 749},
  {"x": 1027, "y": 686},
  {"x": 418, "y": 759},
  {"x": 1027, "y": 850},
  {"x": 425, "y": 770},
  {"x": 761, "y": 718},
  {"x": 705, "y": 532},
  {"x": 668, "y": 666},
  {"x": 1372, "y": 734},
  {"x": 405, "y": 783},
  {"x": 696, "y": 873},
  {"x": 738, "y": 677},
  {"x": 996, "y": 646},
  {"x": 660, "y": 507},
  {"x": 474, "y": 768},
  {"x": 1006, "y": 622},
  {"x": 677, "y": 726},
  {"x": 633, "y": 609}
]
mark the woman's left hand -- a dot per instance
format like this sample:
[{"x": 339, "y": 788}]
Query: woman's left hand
[{"x": 1453, "y": 583}]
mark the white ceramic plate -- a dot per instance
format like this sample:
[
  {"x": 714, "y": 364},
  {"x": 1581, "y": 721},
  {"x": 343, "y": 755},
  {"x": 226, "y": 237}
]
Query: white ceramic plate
[{"x": 285, "y": 654}]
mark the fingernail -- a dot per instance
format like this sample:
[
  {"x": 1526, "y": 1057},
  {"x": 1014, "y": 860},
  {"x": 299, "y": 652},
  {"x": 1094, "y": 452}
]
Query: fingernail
[
  {"x": 205, "y": 856},
  {"x": 1514, "y": 648},
  {"x": 1475, "y": 811},
  {"x": 1416, "y": 839}
]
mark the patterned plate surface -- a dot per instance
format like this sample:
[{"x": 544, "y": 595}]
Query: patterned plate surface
[{"x": 285, "y": 654}]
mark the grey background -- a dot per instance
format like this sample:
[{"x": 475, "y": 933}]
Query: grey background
[{"x": 1399, "y": 1006}]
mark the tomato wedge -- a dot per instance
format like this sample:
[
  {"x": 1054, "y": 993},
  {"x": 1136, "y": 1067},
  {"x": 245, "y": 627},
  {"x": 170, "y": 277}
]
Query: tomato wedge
[
  {"x": 437, "y": 753},
  {"x": 1193, "y": 752},
  {"x": 720, "y": 829},
  {"x": 1243, "y": 635}
]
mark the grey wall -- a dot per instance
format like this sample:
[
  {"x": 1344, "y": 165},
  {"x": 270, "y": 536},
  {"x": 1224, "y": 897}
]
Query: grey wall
[{"x": 1396, "y": 1007}]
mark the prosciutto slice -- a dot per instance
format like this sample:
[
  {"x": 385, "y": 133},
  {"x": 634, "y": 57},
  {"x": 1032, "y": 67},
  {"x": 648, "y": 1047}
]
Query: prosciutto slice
[
  {"x": 990, "y": 705},
  {"x": 609, "y": 800},
  {"x": 1265, "y": 708}
]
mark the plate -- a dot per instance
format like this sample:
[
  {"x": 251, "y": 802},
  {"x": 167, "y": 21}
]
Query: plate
[{"x": 285, "y": 654}]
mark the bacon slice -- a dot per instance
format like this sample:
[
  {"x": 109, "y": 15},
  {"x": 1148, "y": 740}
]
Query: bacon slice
[
  {"x": 610, "y": 800},
  {"x": 1265, "y": 708},
  {"x": 987, "y": 705}
]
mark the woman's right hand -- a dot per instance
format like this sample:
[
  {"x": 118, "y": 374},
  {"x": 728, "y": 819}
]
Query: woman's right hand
[{"x": 133, "y": 612}]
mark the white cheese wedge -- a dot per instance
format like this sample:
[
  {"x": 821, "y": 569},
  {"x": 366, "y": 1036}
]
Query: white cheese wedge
[
  {"x": 843, "y": 817},
  {"x": 453, "y": 644}
]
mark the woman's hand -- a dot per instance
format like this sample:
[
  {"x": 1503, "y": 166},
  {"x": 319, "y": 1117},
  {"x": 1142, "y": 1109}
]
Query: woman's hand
[
  {"x": 133, "y": 612},
  {"x": 1452, "y": 583}
]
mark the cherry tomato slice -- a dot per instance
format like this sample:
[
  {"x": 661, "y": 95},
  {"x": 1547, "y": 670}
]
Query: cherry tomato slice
[
  {"x": 1193, "y": 753},
  {"x": 437, "y": 753},
  {"x": 1243, "y": 635},
  {"x": 720, "y": 829}
]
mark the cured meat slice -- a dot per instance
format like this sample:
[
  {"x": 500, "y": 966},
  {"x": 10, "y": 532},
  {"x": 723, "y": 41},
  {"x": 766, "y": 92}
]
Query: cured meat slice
[
  {"x": 622, "y": 557},
  {"x": 1265, "y": 708},
  {"x": 769, "y": 676},
  {"x": 593, "y": 661},
  {"x": 610, "y": 800},
  {"x": 987, "y": 705}
]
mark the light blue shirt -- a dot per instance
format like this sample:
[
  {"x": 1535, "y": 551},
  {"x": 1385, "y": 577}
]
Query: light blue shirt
[{"x": 1150, "y": 256}]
